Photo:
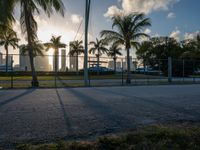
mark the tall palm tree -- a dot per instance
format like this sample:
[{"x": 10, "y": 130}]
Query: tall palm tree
[
  {"x": 8, "y": 38},
  {"x": 55, "y": 44},
  {"x": 76, "y": 48},
  {"x": 28, "y": 24},
  {"x": 98, "y": 48},
  {"x": 129, "y": 30},
  {"x": 6, "y": 12},
  {"x": 114, "y": 50}
]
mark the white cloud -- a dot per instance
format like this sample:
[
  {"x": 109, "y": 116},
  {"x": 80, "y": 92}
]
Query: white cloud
[
  {"x": 171, "y": 15},
  {"x": 191, "y": 35},
  {"x": 147, "y": 31},
  {"x": 112, "y": 11},
  {"x": 76, "y": 19},
  {"x": 144, "y": 6},
  {"x": 175, "y": 34}
]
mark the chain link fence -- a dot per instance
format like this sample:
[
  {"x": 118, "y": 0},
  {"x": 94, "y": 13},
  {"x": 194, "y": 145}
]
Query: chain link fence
[{"x": 15, "y": 71}]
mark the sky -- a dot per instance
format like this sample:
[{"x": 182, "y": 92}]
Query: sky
[{"x": 174, "y": 18}]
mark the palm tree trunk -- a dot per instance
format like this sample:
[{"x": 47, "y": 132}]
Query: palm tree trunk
[
  {"x": 115, "y": 66},
  {"x": 128, "y": 79},
  {"x": 56, "y": 66},
  {"x": 34, "y": 82},
  {"x": 56, "y": 61},
  {"x": 98, "y": 62},
  {"x": 77, "y": 64},
  {"x": 6, "y": 59}
]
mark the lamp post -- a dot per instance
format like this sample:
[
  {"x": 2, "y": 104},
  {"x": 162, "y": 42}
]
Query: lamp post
[{"x": 87, "y": 16}]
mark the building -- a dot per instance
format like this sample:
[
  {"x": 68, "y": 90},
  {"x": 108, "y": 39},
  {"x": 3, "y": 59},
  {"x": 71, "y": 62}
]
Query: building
[
  {"x": 72, "y": 61},
  {"x": 132, "y": 65},
  {"x": 63, "y": 60},
  {"x": 41, "y": 63}
]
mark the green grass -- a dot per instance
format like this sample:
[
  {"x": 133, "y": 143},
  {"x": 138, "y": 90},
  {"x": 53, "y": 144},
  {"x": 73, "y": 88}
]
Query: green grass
[
  {"x": 75, "y": 77},
  {"x": 157, "y": 137}
]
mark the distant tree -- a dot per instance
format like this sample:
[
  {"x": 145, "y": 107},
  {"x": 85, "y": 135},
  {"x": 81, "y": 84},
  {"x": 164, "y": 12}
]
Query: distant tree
[
  {"x": 55, "y": 43},
  {"x": 98, "y": 48},
  {"x": 38, "y": 49},
  {"x": 76, "y": 49},
  {"x": 114, "y": 50},
  {"x": 145, "y": 53},
  {"x": 8, "y": 38},
  {"x": 155, "y": 54},
  {"x": 129, "y": 30},
  {"x": 191, "y": 48}
]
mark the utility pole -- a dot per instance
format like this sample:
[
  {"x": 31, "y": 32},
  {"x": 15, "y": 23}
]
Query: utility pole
[{"x": 87, "y": 17}]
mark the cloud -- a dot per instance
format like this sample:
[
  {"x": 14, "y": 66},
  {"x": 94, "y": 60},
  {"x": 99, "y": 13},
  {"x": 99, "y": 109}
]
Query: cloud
[
  {"x": 76, "y": 19},
  {"x": 113, "y": 11},
  {"x": 140, "y": 6},
  {"x": 147, "y": 31},
  {"x": 175, "y": 34},
  {"x": 171, "y": 15},
  {"x": 193, "y": 35}
]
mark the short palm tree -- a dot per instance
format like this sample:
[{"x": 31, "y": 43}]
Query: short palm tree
[
  {"x": 129, "y": 28},
  {"x": 28, "y": 23},
  {"x": 76, "y": 49},
  {"x": 38, "y": 49},
  {"x": 114, "y": 50},
  {"x": 55, "y": 44},
  {"x": 8, "y": 38},
  {"x": 98, "y": 48}
]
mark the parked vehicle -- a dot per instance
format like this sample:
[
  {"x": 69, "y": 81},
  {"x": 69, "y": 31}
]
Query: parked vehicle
[
  {"x": 148, "y": 71},
  {"x": 100, "y": 69}
]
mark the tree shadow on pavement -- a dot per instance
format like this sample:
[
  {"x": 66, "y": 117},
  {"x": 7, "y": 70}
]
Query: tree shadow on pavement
[
  {"x": 97, "y": 107},
  {"x": 15, "y": 98},
  {"x": 65, "y": 115}
]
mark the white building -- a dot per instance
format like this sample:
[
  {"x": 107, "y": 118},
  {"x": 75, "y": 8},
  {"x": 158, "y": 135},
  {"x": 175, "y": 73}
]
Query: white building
[
  {"x": 41, "y": 63},
  {"x": 63, "y": 60}
]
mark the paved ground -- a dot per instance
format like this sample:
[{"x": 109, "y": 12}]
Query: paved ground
[{"x": 49, "y": 114}]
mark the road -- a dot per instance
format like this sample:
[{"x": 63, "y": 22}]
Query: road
[{"x": 41, "y": 115}]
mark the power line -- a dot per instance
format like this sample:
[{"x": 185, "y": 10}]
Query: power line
[{"x": 78, "y": 29}]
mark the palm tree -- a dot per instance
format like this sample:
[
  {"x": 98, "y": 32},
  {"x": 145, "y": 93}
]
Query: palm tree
[
  {"x": 76, "y": 48},
  {"x": 6, "y": 12},
  {"x": 28, "y": 24},
  {"x": 38, "y": 49},
  {"x": 55, "y": 43},
  {"x": 98, "y": 48},
  {"x": 114, "y": 50},
  {"x": 129, "y": 30},
  {"x": 8, "y": 38}
]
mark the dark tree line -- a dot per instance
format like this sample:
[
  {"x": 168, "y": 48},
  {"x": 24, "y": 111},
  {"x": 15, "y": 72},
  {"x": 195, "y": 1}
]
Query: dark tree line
[{"x": 185, "y": 54}]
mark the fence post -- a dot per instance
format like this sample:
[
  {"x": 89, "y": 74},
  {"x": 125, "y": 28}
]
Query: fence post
[
  {"x": 12, "y": 72},
  {"x": 89, "y": 75},
  {"x": 122, "y": 72},
  {"x": 183, "y": 70},
  {"x": 193, "y": 71},
  {"x": 55, "y": 71},
  {"x": 169, "y": 69}
]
